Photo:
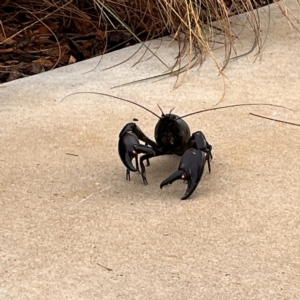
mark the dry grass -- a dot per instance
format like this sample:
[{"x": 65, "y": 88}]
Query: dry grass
[{"x": 39, "y": 35}]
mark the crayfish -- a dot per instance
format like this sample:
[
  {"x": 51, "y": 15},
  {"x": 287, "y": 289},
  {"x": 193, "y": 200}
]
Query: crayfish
[{"x": 172, "y": 136}]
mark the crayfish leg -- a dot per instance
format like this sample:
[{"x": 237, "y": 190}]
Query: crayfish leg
[{"x": 128, "y": 174}]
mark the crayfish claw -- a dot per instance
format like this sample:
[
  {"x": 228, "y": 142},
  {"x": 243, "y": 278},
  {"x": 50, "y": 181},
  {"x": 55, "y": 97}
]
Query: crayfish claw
[
  {"x": 175, "y": 176},
  {"x": 190, "y": 170},
  {"x": 192, "y": 184},
  {"x": 129, "y": 148},
  {"x": 199, "y": 142}
]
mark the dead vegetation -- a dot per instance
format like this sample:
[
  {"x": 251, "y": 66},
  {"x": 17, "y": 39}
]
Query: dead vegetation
[{"x": 36, "y": 36}]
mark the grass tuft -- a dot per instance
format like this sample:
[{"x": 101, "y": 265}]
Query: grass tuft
[{"x": 37, "y": 36}]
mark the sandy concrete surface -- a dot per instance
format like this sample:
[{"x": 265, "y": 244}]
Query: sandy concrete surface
[{"x": 72, "y": 227}]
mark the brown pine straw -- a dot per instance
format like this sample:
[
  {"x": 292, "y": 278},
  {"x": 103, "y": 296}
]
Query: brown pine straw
[{"x": 199, "y": 27}]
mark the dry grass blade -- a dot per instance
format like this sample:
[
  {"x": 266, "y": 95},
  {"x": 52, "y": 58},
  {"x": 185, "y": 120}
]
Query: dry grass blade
[{"x": 129, "y": 30}]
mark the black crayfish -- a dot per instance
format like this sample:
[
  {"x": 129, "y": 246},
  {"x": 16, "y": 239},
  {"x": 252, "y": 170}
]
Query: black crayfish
[{"x": 172, "y": 136}]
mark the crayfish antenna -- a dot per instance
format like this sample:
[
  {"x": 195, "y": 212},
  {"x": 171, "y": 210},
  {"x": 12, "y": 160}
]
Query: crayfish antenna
[
  {"x": 162, "y": 113},
  {"x": 115, "y": 97},
  {"x": 233, "y": 105}
]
